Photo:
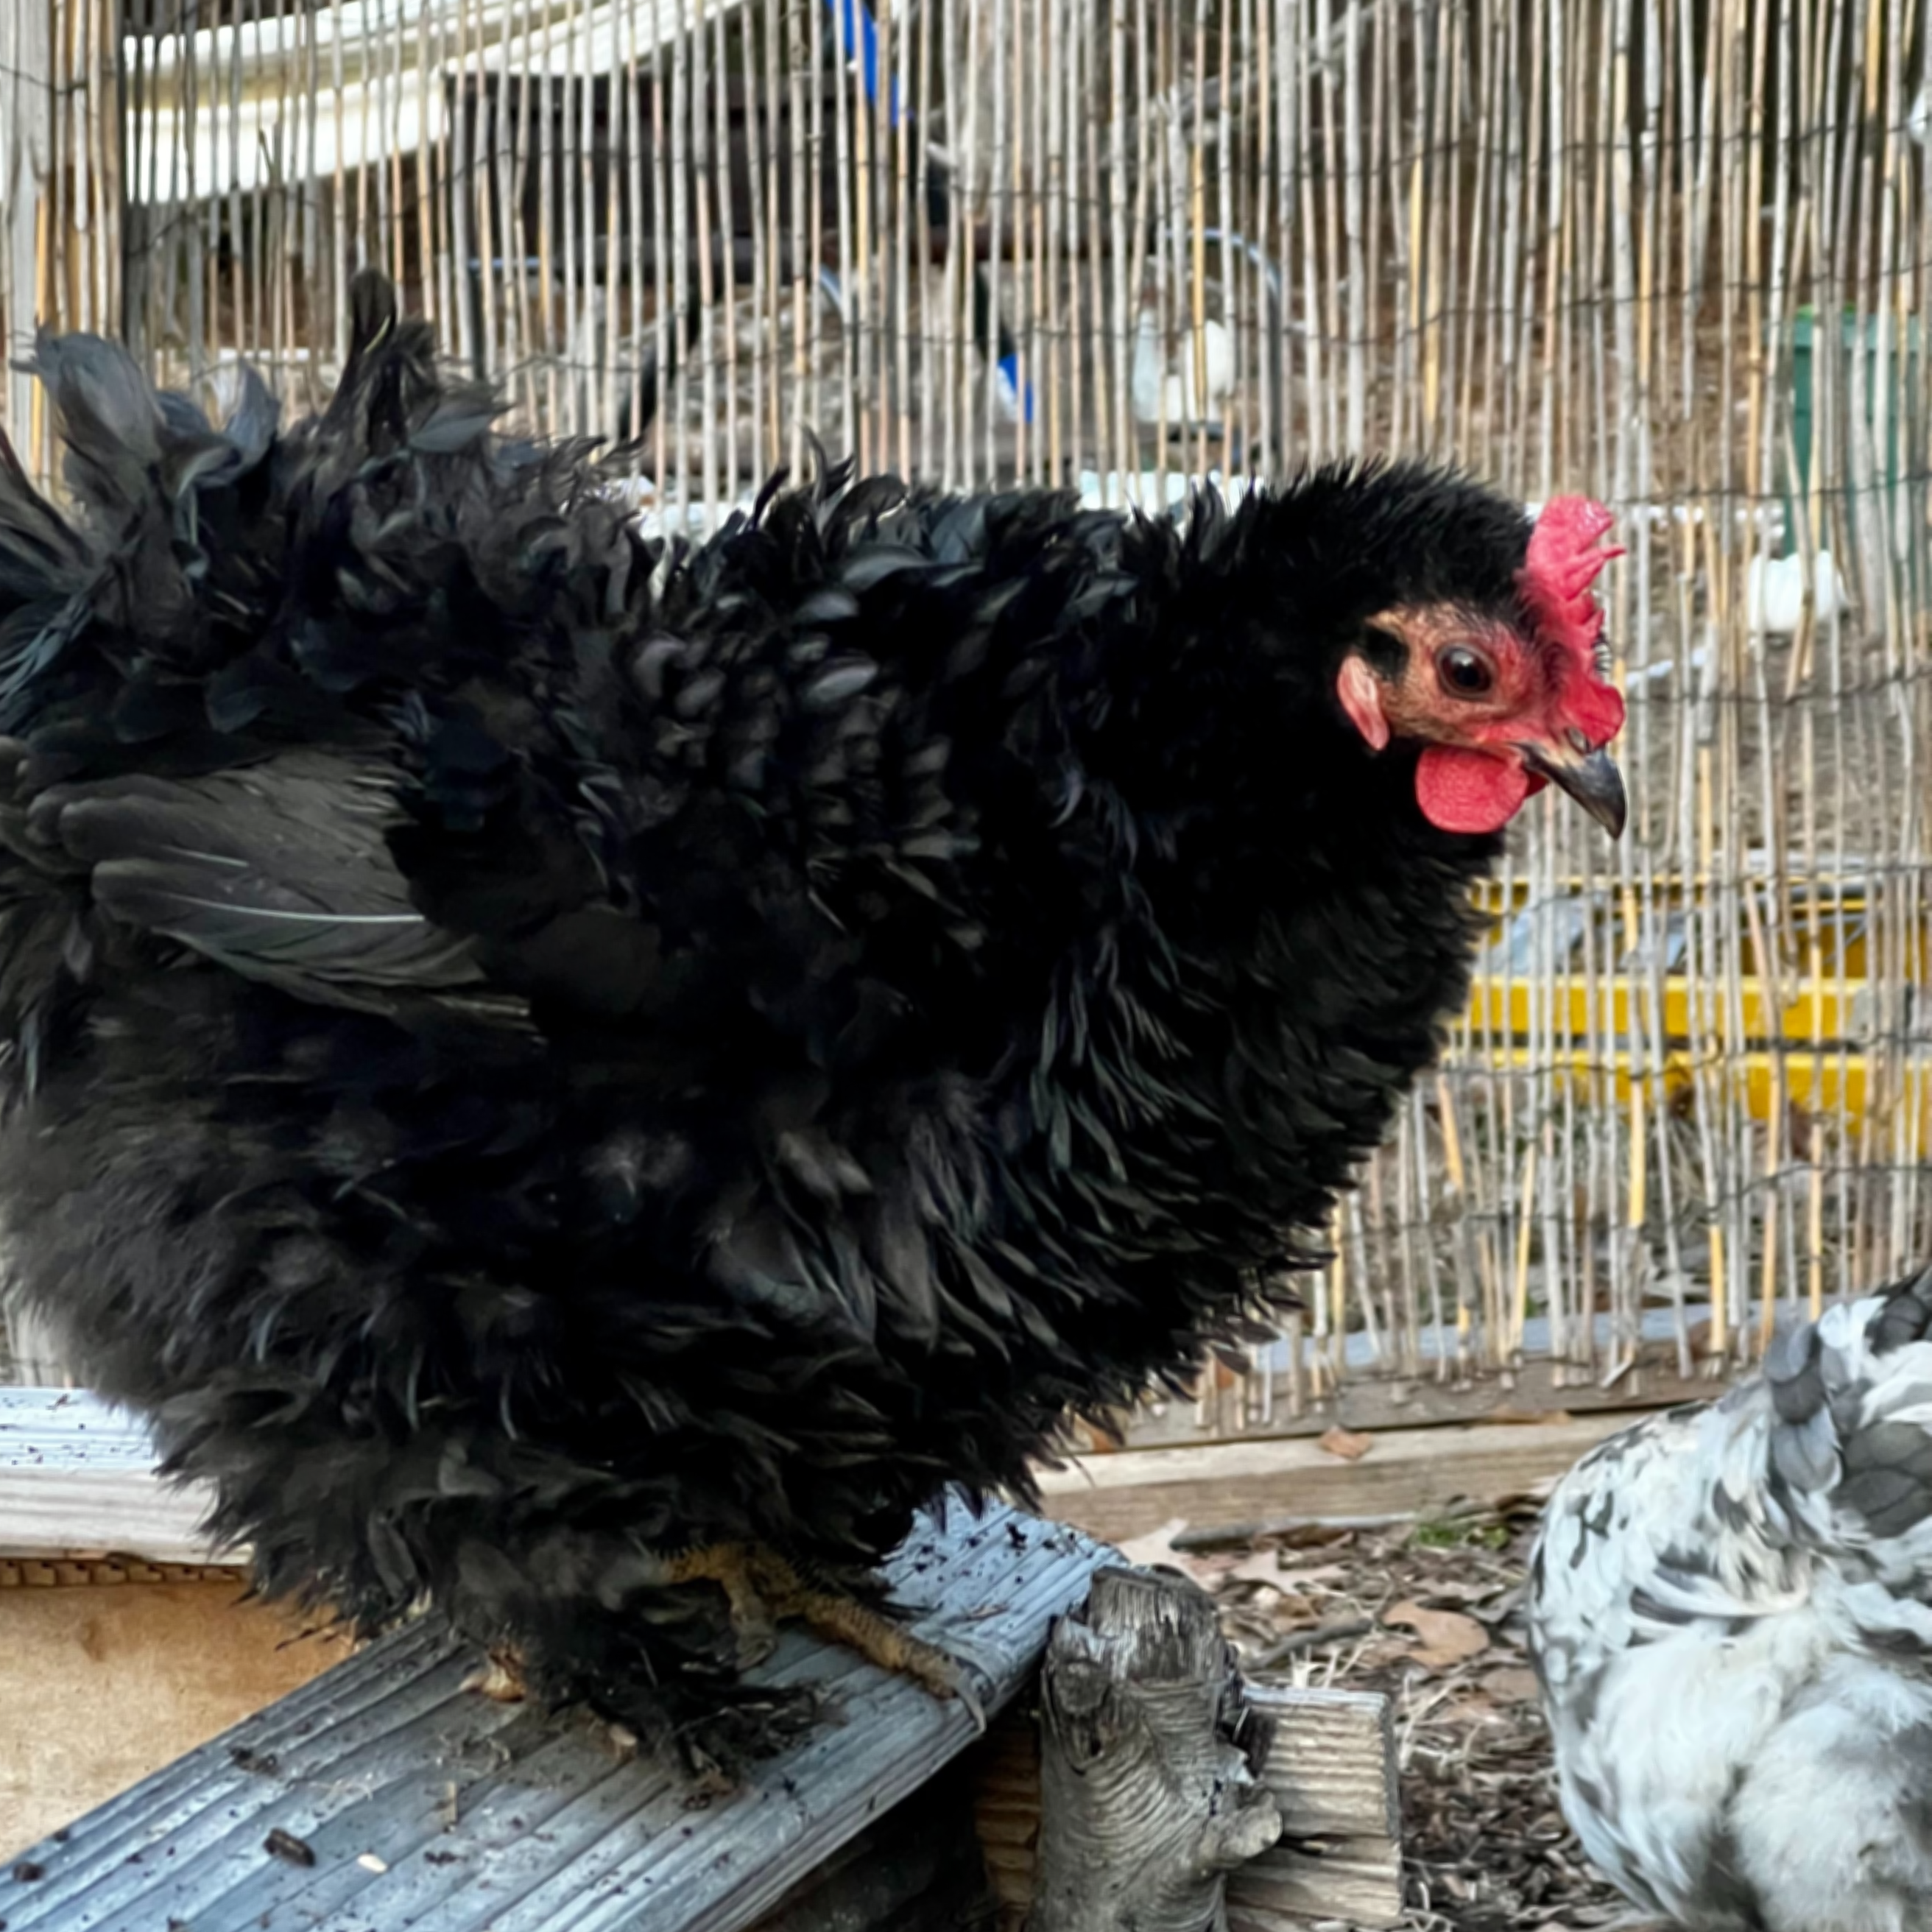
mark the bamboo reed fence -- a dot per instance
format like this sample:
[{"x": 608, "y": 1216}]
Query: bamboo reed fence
[{"x": 1676, "y": 252}]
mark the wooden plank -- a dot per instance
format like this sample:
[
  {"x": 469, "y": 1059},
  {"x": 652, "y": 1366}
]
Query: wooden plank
[
  {"x": 127, "y": 1512},
  {"x": 1540, "y": 1386},
  {"x": 425, "y": 1805},
  {"x": 1537, "y": 1391},
  {"x": 1006, "y": 1809},
  {"x": 57, "y": 1424},
  {"x": 77, "y": 1475},
  {"x": 1355, "y": 1882},
  {"x": 1333, "y": 1768},
  {"x": 1332, "y": 1772},
  {"x": 1129, "y": 1493}
]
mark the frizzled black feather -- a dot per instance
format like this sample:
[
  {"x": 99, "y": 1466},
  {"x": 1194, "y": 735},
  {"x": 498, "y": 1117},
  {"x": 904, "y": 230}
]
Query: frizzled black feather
[{"x": 535, "y": 1047}]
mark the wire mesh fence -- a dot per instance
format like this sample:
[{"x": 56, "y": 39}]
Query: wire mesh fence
[{"x": 1674, "y": 253}]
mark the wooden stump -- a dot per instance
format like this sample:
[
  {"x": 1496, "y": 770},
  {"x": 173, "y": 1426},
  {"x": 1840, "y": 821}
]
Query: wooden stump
[{"x": 1150, "y": 1757}]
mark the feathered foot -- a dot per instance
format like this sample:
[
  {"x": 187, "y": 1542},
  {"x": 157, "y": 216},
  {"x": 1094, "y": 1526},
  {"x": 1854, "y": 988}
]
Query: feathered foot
[
  {"x": 657, "y": 1688},
  {"x": 716, "y": 1729},
  {"x": 761, "y": 1587}
]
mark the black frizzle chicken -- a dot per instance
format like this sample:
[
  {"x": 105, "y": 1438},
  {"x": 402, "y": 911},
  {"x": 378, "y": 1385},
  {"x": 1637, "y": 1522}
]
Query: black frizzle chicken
[{"x": 583, "y": 1079}]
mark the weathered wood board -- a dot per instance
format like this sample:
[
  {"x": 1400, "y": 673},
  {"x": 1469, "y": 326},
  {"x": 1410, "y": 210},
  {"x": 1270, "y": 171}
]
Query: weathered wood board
[
  {"x": 1126, "y": 1494},
  {"x": 1332, "y": 1772},
  {"x": 75, "y": 1475},
  {"x": 401, "y": 1798},
  {"x": 1437, "y": 1386}
]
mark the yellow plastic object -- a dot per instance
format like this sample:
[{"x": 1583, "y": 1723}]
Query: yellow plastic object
[{"x": 1567, "y": 984}]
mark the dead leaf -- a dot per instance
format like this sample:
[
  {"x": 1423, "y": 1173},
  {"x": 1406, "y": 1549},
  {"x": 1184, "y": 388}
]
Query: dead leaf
[
  {"x": 1317, "y": 1535},
  {"x": 1498, "y": 1609},
  {"x": 1156, "y": 1545},
  {"x": 1259, "y": 1566},
  {"x": 1264, "y": 1566},
  {"x": 1155, "y": 1551},
  {"x": 1528, "y": 1500},
  {"x": 1512, "y": 1684},
  {"x": 1446, "y": 1637},
  {"x": 1289, "y": 1612},
  {"x": 1438, "y": 1590},
  {"x": 1345, "y": 1443}
]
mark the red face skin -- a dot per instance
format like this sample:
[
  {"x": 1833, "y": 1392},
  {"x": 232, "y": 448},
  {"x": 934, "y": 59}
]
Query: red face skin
[{"x": 1498, "y": 710}]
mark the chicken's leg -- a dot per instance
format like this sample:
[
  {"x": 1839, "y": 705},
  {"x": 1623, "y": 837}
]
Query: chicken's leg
[
  {"x": 762, "y": 1586},
  {"x": 500, "y": 1677}
]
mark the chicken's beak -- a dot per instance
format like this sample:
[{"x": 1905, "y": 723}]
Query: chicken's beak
[{"x": 1591, "y": 778}]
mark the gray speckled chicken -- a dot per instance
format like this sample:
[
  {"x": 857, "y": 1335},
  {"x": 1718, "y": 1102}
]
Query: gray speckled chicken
[{"x": 1730, "y": 1610}]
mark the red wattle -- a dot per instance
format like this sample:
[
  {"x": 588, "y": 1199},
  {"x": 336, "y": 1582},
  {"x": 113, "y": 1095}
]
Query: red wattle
[{"x": 1468, "y": 791}]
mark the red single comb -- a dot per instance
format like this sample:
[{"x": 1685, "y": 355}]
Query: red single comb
[{"x": 1566, "y": 552}]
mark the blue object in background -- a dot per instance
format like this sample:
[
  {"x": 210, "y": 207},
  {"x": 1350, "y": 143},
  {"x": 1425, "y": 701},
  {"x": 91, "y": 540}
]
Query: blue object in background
[
  {"x": 1019, "y": 405},
  {"x": 858, "y": 40}
]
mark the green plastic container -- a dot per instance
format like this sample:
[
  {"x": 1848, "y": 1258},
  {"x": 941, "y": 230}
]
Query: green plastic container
[{"x": 1902, "y": 445}]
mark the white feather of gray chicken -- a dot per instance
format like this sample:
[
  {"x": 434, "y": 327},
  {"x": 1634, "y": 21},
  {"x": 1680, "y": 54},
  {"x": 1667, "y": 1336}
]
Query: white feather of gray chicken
[{"x": 1730, "y": 1610}]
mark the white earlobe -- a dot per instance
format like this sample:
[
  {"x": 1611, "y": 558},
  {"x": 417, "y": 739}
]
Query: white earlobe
[{"x": 1360, "y": 694}]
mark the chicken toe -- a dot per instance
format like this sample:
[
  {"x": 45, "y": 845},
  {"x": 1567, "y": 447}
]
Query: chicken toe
[{"x": 762, "y": 1587}]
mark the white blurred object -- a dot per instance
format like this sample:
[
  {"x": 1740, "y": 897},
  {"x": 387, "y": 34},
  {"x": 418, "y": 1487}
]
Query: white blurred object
[
  {"x": 1775, "y": 592},
  {"x": 1119, "y": 490},
  {"x": 1170, "y": 394}
]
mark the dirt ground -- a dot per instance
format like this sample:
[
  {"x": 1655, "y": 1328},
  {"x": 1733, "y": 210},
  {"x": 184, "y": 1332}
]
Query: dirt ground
[{"x": 1429, "y": 1612}]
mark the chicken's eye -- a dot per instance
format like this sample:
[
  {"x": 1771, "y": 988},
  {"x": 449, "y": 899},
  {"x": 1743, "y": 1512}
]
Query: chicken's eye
[{"x": 1462, "y": 671}]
